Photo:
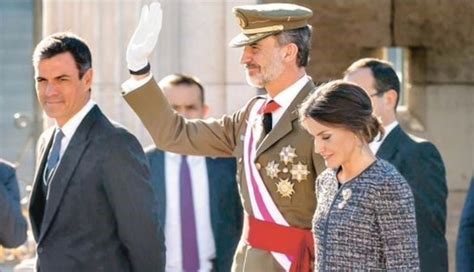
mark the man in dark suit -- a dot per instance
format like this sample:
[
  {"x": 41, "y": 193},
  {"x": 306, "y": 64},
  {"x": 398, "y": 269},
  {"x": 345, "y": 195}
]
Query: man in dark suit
[
  {"x": 465, "y": 243},
  {"x": 216, "y": 208},
  {"x": 92, "y": 207},
  {"x": 416, "y": 159},
  {"x": 12, "y": 223}
]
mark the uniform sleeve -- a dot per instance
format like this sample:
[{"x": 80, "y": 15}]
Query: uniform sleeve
[
  {"x": 129, "y": 192},
  {"x": 171, "y": 132},
  {"x": 12, "y": 223},
  {"x": 395, "y": 215}
]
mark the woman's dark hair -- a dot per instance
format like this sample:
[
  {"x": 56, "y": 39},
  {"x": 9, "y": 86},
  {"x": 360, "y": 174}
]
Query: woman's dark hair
[{"x": 342, "y": 104}]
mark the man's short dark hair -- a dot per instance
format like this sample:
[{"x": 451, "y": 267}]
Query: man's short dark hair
[
  {"x": 181, "y": 79},
  {"x": 385, "y": 77},
  {"x": 63, "y": 42},
  {"x": 301, "y": 37}
]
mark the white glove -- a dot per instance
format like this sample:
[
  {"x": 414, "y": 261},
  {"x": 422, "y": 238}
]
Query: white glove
[{"x": 145, "y": 37}]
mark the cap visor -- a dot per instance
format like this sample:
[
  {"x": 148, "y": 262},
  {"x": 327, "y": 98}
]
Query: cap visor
[{"x": 242, "y": 39}]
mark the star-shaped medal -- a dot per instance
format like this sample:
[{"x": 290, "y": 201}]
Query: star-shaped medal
[
  {"x": 299, "y": 172},
  {"x": 272, "y": 169},
  {"x": 285, "y": 188},
  {"x": 287, "y": 154}
]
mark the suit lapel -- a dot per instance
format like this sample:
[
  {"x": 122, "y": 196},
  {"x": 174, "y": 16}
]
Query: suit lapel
[
  {"x": 285, "y": 125},
  {"x": 69, "y": 161},
  {"x": 390, "y": 144},
  {"x": 36, "y": 205}
]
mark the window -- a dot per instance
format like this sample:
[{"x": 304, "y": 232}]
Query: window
[{"x": 396, "y": 55}]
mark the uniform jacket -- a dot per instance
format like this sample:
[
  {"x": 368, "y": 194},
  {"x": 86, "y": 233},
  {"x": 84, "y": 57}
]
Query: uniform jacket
[
  {"x": 224, "y": 202},
  {"x": 12, "y": 223},
  {"x": 368, "y": 224},
  {"x": 224, "y": 138},
  {"x": 420, "y": 163},
  {"x": 101, "y": 212}
]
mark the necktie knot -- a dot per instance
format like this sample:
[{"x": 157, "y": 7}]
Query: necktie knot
[{"x": 269, "y": 107}]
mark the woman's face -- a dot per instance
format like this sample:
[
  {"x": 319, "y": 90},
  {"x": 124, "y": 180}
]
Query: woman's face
[{"x": 338, "y": 146}]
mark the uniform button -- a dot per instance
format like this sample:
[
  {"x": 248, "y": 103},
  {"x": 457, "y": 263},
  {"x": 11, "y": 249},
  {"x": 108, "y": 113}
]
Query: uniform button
[
  {"x": 258, "y": 166},
  {"x": 240, "y": 160},
  {"x": 40, "y": 250}
]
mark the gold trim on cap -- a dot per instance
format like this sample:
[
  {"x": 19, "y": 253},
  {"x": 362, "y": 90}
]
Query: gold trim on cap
[{"x": 263, "y": 29}]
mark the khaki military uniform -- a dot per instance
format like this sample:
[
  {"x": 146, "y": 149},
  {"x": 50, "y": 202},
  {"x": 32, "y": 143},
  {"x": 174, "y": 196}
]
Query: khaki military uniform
[{"x": 224, "y": 138}]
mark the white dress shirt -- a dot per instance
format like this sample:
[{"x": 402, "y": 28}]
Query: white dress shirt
[
  {"x": 202, "y": 212},
  {"x": 70, "y": 127},
  {"x": 285, "y": 98},
  {"x": 375, "y": 144}
]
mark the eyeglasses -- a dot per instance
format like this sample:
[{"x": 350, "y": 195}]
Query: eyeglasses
[{"x": 378, "y": 94}]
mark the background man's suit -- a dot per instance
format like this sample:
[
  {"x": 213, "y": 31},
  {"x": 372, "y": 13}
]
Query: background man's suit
[
  {"x": 12, "y": 223},
  {"x": 420, "y": 163},
  {"x": 224, "y": 202},
  {"x": 465, "y": 243},
  {"x": 101, "y": 212}
]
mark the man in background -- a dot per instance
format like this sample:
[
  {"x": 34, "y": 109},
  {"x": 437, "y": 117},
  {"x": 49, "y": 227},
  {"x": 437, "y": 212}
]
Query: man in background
[
  {"x": 199, "y": 206},
  {"x": 416, "y": 159},
  {"x": 12, "y": 223}
]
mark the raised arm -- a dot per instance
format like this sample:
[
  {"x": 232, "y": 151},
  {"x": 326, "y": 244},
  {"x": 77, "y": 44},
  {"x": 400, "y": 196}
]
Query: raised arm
[
  {"x": 144, "y": 40},
  {"x": 169, "y": 130}
]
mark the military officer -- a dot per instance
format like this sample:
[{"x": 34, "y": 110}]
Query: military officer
[{"x": 276, "y": 160}]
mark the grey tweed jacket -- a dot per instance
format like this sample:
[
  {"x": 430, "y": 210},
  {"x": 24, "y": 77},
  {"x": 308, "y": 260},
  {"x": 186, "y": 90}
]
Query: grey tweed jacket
[{"x": 367, "y": 224}]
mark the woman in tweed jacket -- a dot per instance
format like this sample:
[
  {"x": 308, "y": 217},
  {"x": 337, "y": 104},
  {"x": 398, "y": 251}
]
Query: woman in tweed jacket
[{"x": 365, "y": 217}]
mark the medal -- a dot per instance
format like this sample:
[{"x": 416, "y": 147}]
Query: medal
[
  {"x": 287, "y": 154},
  {"x": 285, "y": 188},
  {"x": 272, "y": 169},
  {"x": 299, "y": 172}
]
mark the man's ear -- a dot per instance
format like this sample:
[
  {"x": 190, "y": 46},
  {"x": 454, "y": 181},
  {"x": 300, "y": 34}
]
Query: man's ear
[
  {"x": 87, "y": 77},
  {"x": 390, "y": 99},
  {"x": 291, "y": 52},
  {"x": 205, "y": 111}
]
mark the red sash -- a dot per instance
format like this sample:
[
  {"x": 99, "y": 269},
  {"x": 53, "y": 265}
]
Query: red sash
[{"x": 295, "y": 242}]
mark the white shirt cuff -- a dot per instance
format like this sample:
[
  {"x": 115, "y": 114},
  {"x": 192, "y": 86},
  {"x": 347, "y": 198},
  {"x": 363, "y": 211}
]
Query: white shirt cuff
[{"x": 132, "y": 84}]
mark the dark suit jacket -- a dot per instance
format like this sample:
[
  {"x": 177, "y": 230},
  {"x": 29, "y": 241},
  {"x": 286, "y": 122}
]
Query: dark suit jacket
[
  {"x": 420, "y": 163},
  {"x": 465, "y": 243},
  {"x": 12, "y": 223},
  {"x": 226, "y": 209},
  {"x": 101, "y": 211}
]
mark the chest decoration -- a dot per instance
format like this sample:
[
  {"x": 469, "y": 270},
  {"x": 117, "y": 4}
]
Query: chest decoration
[
  {"x": 287, "y": 171},
  {"x": 346, "y": 195}
]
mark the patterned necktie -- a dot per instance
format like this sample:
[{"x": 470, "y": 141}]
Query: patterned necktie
[
  {"x": 188, "y": 224},
  {"x": 53, "y": 157},
  {"x": 267, "y": 110}
]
